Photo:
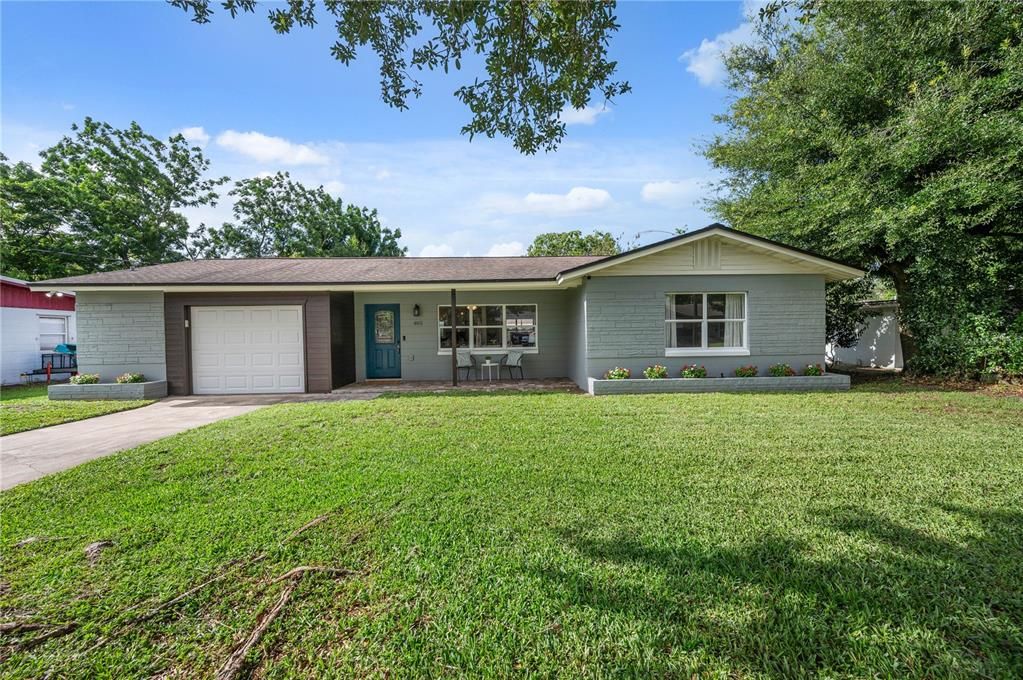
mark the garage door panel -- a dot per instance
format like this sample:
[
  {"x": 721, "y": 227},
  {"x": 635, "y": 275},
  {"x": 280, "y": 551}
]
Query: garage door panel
[
  {"x": 289, "y": 316},
  {"x": 291, "y": 381},
  {"x": 262, "y": 359},
  {"x": 238, "y": 350},
  {"x": 207, "y": 360},
  {"x": 285, "y": 359},
  {"x": 234, "y": 337}
]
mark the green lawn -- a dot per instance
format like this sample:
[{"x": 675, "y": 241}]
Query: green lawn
[
  {"x": 863, "y": 534},
  {"x": 25, "y": 407}
]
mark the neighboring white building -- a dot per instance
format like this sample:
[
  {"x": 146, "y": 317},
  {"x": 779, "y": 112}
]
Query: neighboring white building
[
  {"x": 31, "y": 324},
  {"x": 879, "y": 345}
]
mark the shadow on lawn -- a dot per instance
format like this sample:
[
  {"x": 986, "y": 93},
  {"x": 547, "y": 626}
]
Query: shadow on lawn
[{"x": 907, "y": 603}]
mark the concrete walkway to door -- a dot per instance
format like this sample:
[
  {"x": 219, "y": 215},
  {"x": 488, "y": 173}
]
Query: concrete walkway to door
[{"x": 26, "y": 456}]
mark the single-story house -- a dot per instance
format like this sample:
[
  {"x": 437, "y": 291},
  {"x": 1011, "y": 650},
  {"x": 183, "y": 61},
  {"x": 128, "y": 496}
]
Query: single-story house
[
  {"x": 880, "y": 343},
  {"x": 32, "y": 325},
  {"x": 717, "y": 297}
]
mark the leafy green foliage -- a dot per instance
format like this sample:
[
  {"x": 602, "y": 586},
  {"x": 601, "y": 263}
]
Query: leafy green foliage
[
  {"x": 749, "y": 371},
  {"x": 277, "y": 217},
  {"x": 780, "y": 370},
  {"x": 618, "y": 373},
  {"x": 103, "y": 198},
  {"x": 655, "y": 372},
  {"x": 539, "y": 57},
  {"x": 130, "y": 378},
  {"x": 813, "y": 369},
  {"x": 845, "y": 316},
  {"x": 707, "y": 535},
  {"x": 573, "y": 243},
  {"x": 85, "y": 379},
  {"x": 693, "y": 371},
  {"x": 888, "y": 135}
]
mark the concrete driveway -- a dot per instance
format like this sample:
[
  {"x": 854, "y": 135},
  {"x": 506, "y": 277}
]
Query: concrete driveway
[{"x": 30, "y": 455}]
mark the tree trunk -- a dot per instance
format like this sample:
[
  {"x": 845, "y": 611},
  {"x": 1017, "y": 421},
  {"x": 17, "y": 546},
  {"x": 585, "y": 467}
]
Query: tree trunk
[{"x": 904, "y": 293}]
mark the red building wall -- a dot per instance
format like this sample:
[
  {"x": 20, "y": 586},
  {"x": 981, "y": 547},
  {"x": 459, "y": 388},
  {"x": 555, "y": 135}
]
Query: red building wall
[{"x": 15, "y": 295}]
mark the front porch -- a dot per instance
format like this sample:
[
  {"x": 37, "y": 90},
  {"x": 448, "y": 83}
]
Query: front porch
[{"x": 376, "y": 388}]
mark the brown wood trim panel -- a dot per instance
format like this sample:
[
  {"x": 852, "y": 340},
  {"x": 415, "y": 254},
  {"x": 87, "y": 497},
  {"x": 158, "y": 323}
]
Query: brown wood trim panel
[{"x": 316, "y": 308}]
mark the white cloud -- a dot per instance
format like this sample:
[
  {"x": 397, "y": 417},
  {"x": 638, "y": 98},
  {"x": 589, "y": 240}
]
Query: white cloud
[
  {"x": 334, "y": 188},
  {"x": 67, "y": 107},
  {"x": 584, "y": 116},
  {"x": 706, "y": 61},
  {"x": 195, "y": 135},
  {"x": 267, "y": 149},
  {"x": 383, "y": 174},
  {"x": 510, "y": 249},
  {"x": 680, "y": 194},
  {"x": 577, "y": 200},
  {"x": 439, "y": 250}
]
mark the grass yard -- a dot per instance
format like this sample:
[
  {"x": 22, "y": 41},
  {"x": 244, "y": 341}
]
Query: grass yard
[
  {"x": 25, "y": 407},
  {"x": 867, "y": 534}
]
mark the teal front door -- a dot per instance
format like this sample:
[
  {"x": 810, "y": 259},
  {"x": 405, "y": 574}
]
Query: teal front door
[{"x": 383, "y": 341}]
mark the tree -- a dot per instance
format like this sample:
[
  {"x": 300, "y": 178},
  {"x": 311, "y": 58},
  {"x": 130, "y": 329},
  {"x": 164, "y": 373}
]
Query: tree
[
  {"x": 574, "y": 243},
  {"x": 539, "y": 57},
  {"x": 33, "y": 240},
  {"x": 102, "y": 199},
  {"x": 888, "y": 135},
  {"x": 277, "y": 217}
]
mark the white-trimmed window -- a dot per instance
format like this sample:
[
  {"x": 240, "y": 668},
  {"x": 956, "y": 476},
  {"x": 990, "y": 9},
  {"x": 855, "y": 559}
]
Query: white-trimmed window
[
  {"x": 706, "y": 323},
  {"x": 484, "y": 328},
  {"x": 52, "y": 332}
]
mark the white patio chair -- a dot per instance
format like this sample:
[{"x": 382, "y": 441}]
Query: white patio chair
[
  {"x": 512, "y": 361},
  {"x": 465, "y": 361}
]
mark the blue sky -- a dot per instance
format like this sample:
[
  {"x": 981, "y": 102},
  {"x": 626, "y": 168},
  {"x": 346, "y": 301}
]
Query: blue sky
[{"x": 258, "y": 102}]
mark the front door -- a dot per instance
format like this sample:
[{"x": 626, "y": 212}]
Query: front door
[{"x": 383, "y": 341}]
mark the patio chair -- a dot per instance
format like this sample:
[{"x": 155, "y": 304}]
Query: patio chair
[
  {"x": 465, "y": 361},
  {"x": 512, "y": 361}
]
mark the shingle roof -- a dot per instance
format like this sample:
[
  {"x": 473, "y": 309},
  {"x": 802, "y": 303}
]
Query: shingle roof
[{"x": 333, "y": 270}]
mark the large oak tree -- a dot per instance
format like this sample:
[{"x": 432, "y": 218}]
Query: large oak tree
[
  {"x": 890, "y": 135},
  {"x": 539, "y": 57}
]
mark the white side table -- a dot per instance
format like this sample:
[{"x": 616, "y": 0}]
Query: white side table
[{"x": 490, "y": 366}]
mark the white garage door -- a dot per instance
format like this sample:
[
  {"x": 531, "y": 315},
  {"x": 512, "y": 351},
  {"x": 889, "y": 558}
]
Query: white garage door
[{"x": 246, "y": 350}]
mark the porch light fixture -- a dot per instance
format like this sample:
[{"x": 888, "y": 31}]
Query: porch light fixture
[
  {"x": 415, "y": 310},
  {"x": 50, "y": 294}
]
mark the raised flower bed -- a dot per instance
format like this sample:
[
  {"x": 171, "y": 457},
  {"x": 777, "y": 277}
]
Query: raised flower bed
[
  {"x": 829, "y": 382},
  {"x": 130, "y": 386}
]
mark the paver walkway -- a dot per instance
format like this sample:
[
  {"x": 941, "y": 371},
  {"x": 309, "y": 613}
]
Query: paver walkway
[{"x": 26, "y": 456}]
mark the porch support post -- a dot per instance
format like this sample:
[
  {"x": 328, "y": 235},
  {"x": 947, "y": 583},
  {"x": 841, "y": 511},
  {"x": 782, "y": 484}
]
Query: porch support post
[{"x": 453, "y": 321}]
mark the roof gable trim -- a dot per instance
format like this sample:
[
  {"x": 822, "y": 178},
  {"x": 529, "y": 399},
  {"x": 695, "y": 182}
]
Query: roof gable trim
[{"x": 839, "y": 270}]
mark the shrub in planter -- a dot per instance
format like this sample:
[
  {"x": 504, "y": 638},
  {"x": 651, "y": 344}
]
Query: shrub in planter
[
  {"x": 694, "y": 371},
  {"x": 130, "y": 378},
  {"x": 781, "y": 370},
  {"x": 746, "y": 371},
  {"x": 618, "y": 373},
  {"x": 655, "y": 372},
  {"x": 813, "y": 369},
  {"x": 85, "y": 379}
]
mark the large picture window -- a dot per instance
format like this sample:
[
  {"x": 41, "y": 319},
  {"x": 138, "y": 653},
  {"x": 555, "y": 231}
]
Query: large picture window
[
  {"x": 488, "y": 327},
  {"x": 705, "y": 323}
]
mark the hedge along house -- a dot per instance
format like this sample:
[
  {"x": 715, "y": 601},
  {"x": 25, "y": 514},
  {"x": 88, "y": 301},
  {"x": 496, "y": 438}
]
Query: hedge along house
[{"x": 716, "y": 297}]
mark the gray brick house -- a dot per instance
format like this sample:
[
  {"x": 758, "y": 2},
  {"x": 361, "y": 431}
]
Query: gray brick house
[{"x": 716, "y": 297}]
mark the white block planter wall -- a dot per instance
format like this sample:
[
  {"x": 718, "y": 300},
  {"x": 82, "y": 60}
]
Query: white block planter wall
[
  {"x": 154, "y": 389},
  {"x": 831, "y": 382}
]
